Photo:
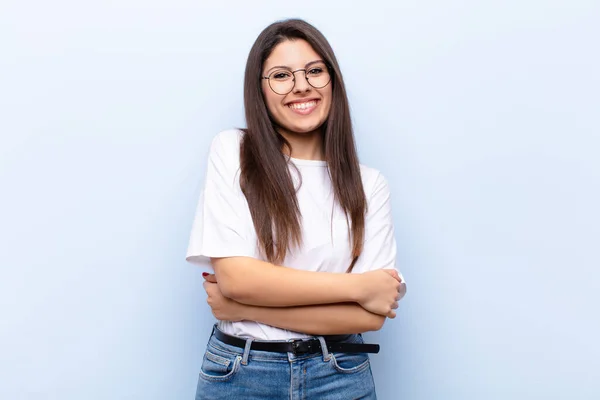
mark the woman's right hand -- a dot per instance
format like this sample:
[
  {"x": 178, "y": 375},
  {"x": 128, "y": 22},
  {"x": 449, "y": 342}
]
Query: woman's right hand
[{"x": 381, "y": 291}]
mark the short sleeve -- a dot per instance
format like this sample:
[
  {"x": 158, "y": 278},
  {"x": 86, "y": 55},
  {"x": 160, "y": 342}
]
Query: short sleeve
[
  {"x": 220, "y": 227},
  {"x": 379, "y": 249}
]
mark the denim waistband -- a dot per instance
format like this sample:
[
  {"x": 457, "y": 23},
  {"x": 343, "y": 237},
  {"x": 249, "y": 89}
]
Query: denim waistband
[{"x": 268, "y": 355}]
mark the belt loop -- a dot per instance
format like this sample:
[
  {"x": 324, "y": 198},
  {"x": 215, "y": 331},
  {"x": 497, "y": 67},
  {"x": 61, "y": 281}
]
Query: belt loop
[
  {"x": 246, "y": 351},
  {"x": 326, "y": 355}
]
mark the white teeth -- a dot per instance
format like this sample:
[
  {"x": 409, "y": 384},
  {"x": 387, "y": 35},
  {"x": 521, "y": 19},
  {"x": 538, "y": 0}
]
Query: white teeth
[{"x": 303, "y": 106}]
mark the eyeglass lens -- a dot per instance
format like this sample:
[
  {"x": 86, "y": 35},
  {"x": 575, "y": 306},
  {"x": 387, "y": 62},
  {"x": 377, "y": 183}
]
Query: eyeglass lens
[{"x": 282, "y": 81}]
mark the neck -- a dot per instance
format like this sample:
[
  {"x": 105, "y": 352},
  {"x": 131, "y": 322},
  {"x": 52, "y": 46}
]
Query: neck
[{"x": 304, "y": 146}]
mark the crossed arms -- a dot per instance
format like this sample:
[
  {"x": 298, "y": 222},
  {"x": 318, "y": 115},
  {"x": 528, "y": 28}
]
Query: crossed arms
[{"x": 316, "y": 303}]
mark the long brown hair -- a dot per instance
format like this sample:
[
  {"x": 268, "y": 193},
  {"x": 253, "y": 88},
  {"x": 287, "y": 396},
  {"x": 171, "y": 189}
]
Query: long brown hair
[{"x": 265, "y": 178}]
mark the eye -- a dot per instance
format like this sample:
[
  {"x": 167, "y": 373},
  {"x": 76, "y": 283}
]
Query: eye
[
  {"x": 281, "y": 75},
  {"x": 315, "y": 71}
]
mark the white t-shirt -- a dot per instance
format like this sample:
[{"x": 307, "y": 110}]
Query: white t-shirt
[{"x": 223, "y": 224}]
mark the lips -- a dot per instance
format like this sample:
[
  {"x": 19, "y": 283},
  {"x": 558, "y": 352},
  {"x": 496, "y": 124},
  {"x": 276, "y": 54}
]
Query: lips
[{"x": 303, "y": 107}]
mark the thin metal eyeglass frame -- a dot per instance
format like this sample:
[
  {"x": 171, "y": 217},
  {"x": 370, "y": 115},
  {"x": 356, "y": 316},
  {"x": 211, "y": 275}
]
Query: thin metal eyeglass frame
[{"x": 294, "y": 80}]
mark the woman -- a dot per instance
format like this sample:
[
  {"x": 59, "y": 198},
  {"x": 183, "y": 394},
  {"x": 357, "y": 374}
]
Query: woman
[{"x": 298, "y": 233}]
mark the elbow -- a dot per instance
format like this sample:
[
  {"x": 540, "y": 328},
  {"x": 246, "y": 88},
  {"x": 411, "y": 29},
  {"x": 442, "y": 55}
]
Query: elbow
[
  {"x": 228, "y": 288},
  {"x": 376, "y": 323},
  {"x": 230, "y": 278},
  {"x": 233, "y": 289},
  {"x": 226, "y": 278}
]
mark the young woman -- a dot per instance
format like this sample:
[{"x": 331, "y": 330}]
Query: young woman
[{"x": 298, "y": 233}]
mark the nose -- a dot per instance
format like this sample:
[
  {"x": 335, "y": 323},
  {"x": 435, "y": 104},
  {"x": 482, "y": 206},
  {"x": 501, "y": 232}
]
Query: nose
[{"x": 300, "y": 82}]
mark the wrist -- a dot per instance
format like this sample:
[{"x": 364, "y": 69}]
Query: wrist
[
  {"x": 249, "y": 313},
  {"x": 355, "y": 287}
]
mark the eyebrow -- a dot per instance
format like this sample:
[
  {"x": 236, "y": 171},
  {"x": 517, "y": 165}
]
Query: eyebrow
[{"x": 286, "y": 67}]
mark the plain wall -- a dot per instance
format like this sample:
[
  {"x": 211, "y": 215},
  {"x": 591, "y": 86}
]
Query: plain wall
[{"x": 483, "y": 115}]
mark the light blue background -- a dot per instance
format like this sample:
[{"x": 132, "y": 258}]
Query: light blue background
[{"x": 484, "y": 116}]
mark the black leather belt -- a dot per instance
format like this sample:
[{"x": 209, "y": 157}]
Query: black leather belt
[{"x": 300, "y": 346}]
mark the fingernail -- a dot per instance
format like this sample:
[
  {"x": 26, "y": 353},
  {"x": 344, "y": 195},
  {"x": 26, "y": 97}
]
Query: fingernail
[{"x": 205, "y": 274}]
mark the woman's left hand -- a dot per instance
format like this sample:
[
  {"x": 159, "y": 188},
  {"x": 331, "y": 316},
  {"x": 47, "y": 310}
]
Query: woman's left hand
[{"x": 223, "y": 308}]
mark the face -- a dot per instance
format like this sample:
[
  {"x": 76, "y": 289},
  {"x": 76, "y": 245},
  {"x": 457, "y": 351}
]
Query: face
[{"x": 305, "y": 108}]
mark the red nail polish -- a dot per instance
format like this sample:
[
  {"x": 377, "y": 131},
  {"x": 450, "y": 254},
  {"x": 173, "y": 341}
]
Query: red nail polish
[{"x": 205, "y": 274}]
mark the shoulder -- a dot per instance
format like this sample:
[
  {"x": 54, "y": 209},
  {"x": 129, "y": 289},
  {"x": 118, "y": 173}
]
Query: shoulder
[
  {"x": 225, "y": 149},
  {"x": 226, "y": 143},
  {"x": 224, "y": 156},
  {"x": 374, "y": 182}
]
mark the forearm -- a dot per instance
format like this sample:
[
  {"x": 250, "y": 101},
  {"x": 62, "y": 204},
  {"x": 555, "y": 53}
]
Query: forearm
[
  {"x": 326, "y": 319},
  {"x": 254, "y": 282}
]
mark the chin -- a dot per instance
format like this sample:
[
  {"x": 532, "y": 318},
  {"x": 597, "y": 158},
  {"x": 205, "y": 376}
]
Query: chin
[
  {"x": 303, "y": 128},
  {"x": 301, "y": 131}
]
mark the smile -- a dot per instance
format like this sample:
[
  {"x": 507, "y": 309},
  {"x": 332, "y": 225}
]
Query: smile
[{"x": 303, "y": 108}]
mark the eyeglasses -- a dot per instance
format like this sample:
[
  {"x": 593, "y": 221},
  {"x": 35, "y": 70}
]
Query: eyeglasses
[{"x": 282, "y": 81}]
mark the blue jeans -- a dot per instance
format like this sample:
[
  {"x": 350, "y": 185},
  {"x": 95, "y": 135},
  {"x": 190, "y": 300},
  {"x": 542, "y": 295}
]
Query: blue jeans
[{"x": 231, "y": 373}]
